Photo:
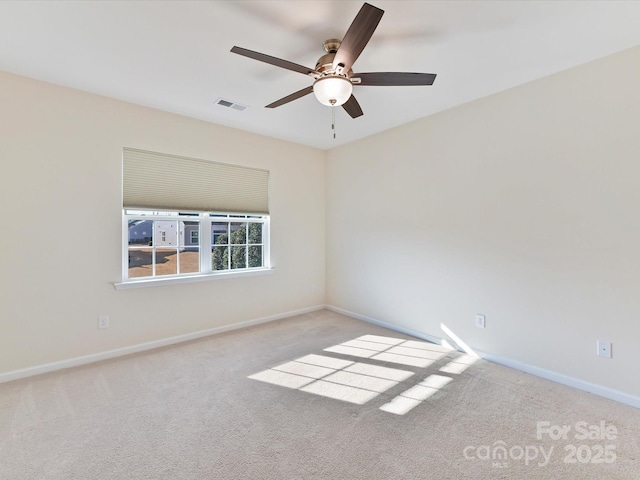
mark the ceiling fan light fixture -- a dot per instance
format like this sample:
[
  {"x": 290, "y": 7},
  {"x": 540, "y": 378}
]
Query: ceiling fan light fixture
[
  {"x": 333, "y": 73},
  {"x": 332, "y": 90}
]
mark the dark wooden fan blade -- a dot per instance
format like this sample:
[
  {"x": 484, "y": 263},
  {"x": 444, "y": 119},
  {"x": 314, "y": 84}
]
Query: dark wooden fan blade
[
  {"x": 357, "y": 36},
  {"x": 391, "y": 79},
  {"x": 278, "y": 62},
  {"x": 292, "y": 97},
  {"x": 352, "y": 107}
]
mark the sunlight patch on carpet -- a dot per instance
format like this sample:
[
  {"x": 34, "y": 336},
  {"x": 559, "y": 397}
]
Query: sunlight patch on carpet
[
  {"x": 366, "y": 382},
  {"x": 411, "y": 398},
  {"x": 353, "y": 351},
  {"x": 282, "y": 379},
  {"x": 340, "y": 392},
  {"x": 380, "y": 372},
  {"x": 381, "y": 339},
  {"x": 304, "y": 369},
  {"x": 403, "y": 359},
  {"x": 323, "y": 361},
  {"x": 334, "y": 378},
  {"x": 395, "y": 350},
  {"x": 358, "y": 382},
  {"x": 459, "y": 364},
  {"x": 400, "y": 405}
]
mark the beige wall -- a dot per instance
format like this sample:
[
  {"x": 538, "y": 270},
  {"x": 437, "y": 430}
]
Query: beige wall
[
  {"x": 523, "y": 206},
  {"x": 60, "y": 193}
]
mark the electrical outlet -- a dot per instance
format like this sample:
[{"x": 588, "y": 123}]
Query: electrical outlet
[
  {"x": 480, "y": 321},
  {"x": 604, "y": 349},
  {"x": 103, "y": 321}
]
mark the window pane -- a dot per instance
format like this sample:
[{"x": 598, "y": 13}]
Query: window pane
[
  {"x": 255, "y": 233},
  {"x": 219, "y": 257},
  {"x": 220, "y": 233},
  {"x": 239, "y": 257},
  {"x": 238, "y": 233},
  {"x": 166, "y": 233},
  {"x": 140, "y": 232},
  {"x": 166, "y": 261},
  {"x": 255, "y": 256},
  {"x": 189, "y": 260},
  {"x": 189, "y": 233},
  {"x": 140, "y": 262}
]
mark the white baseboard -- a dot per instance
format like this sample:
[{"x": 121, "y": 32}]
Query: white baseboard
[
  {"x": 141, "y": 347},
  {"x": 576, "y": 383},
  {"x": 579, "y": 384}
]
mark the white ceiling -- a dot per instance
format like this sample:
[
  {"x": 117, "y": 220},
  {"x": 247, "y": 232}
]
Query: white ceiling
[{"x": 174, "y": 55}]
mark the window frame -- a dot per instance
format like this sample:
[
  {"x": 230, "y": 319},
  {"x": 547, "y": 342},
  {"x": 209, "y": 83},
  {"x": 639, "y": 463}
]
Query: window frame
[{"x": 205, "y": 246}]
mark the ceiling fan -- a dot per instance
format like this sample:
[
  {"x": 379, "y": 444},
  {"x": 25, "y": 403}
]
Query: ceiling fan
[{"x": 334, "y": 79}]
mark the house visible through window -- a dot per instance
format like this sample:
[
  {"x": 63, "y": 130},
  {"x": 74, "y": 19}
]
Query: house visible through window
[{"x": 161, "y": 244}]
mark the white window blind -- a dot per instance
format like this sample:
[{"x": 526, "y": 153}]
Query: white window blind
[{"x": 167, "y": 182}]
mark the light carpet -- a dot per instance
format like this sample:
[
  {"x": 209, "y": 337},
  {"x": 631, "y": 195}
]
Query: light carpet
[{"x": 316, "y": 396}]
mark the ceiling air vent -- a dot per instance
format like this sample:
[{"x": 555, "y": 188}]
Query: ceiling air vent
[{"x": 229, "y": 104}]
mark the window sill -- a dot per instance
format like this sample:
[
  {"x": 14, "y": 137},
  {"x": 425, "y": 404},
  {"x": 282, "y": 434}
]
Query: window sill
[{"x": 155, "y": 282}]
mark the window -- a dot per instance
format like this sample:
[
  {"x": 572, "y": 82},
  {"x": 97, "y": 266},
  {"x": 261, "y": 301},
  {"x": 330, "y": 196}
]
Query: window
[
  {"x": 181, "y": 220},
  {"x": 231, "y": 242}
]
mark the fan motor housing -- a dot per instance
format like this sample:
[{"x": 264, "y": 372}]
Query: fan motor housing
[
  {"x": 324, "y": 65},
  {"x": 325, "y": 62}
]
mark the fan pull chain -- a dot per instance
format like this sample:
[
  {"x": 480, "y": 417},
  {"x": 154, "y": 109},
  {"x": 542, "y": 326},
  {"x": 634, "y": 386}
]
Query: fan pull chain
[{"x": 333, "y": 121}]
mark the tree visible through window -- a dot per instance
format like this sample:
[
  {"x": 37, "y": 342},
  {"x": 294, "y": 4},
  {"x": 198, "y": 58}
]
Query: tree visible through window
[{"x": 241, "y": 249}]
